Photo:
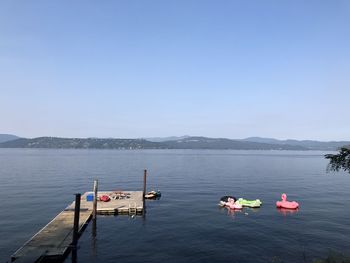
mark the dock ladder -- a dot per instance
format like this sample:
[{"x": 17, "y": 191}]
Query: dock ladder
[{"x": 132, "y": 210}]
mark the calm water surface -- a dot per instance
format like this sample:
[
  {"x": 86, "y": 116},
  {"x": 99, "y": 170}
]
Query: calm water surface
[{"x": 186, "y": 224}]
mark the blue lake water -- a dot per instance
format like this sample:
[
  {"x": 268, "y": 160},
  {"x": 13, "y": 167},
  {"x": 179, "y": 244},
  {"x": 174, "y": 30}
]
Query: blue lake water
[{"x": 186, "y": 224}]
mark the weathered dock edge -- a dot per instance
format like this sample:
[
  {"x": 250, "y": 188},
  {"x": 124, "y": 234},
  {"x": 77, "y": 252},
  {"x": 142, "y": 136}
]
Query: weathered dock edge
[{"x": 53, "y": 241}]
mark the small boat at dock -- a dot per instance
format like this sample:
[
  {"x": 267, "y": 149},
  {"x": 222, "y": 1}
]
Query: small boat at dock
[{"x": 153, "y": 195}]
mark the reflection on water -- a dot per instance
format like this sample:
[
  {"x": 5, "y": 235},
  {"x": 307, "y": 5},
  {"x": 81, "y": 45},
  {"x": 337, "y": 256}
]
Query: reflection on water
[
  {"x": 285, "y": 211},
  {"x": 246, "y": 211},
  {"x": 74, "y": 255},
  {"x": 231, "y": 212},
  {"x": 93, "y": 237}
]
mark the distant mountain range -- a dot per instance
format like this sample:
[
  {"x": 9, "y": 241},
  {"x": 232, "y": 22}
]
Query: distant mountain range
[
  {"x": 309, "y": 144},
  {"x": 183, "y": 142},
  {"x": 223, "y": 143},
  {"x": 164, "y": 139},
  {"x": 7, "y": 137},
  {"x": 80, "y": 143}
]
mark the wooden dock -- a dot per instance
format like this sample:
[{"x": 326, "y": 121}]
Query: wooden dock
[
  {"x": 54, "y": 241},
  {"x": 126, "y": 202}
]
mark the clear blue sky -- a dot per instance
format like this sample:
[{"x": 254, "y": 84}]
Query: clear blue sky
[{"x": 130, "y": 69}]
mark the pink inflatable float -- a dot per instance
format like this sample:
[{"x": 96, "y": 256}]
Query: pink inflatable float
[
  {"x": 286, "y": 204},
  {"x": 232, "y": 204}
]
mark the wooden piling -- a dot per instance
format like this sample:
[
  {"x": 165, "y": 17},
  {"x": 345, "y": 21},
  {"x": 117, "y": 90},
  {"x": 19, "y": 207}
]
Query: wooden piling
[
  {"x": 94, "y": 207},
  {"x": 144, "y": 183},
  {"x": 76, "y": 220},
  {"x": 94, "y": 218}
]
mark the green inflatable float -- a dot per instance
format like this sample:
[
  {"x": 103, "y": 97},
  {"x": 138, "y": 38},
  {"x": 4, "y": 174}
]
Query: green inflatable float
[{"x": 249, "y": 203}]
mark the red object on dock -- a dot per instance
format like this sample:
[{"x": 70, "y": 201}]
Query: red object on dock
[{"x": 105, "y": 198}]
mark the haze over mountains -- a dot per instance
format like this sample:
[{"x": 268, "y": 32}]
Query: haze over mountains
[
  {"x": 7, "y": 137},
  {"x": 309, "y": 144},
  {"x": 183, "y": 142}
]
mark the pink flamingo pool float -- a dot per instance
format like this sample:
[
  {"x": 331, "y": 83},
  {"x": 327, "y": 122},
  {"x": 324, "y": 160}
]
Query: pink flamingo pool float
[
  {"x": 286, "y": 204},
  {"x": 231, "y": 203}
]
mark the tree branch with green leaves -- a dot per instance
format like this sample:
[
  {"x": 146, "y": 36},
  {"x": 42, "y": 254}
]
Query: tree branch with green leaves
[{"x": 340, "y": 161}]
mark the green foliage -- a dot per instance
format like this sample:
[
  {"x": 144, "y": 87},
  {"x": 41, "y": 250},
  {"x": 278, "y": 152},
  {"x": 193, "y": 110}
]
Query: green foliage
[{"x": 340, "y": 161}]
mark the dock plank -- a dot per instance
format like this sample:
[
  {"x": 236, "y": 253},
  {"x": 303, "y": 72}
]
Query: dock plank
[{"x": 52, "y": 240}]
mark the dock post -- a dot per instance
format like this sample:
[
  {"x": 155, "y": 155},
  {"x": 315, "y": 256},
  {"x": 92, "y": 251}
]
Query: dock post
[
  {"x": 94, "y": 217},
  {"x": 94, "y": 207},
  {"x": 76, "y": 220},
  {"x": 144, "y": 183}
]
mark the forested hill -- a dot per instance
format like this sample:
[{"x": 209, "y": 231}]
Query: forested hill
[
  {"x": 222, "y": 143},
  {"x": 7, "y": 137},
  {"x": 310, "y": 144},
  {"x": 185, "y": 143},
  {"x": 80, "y": 143}
]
